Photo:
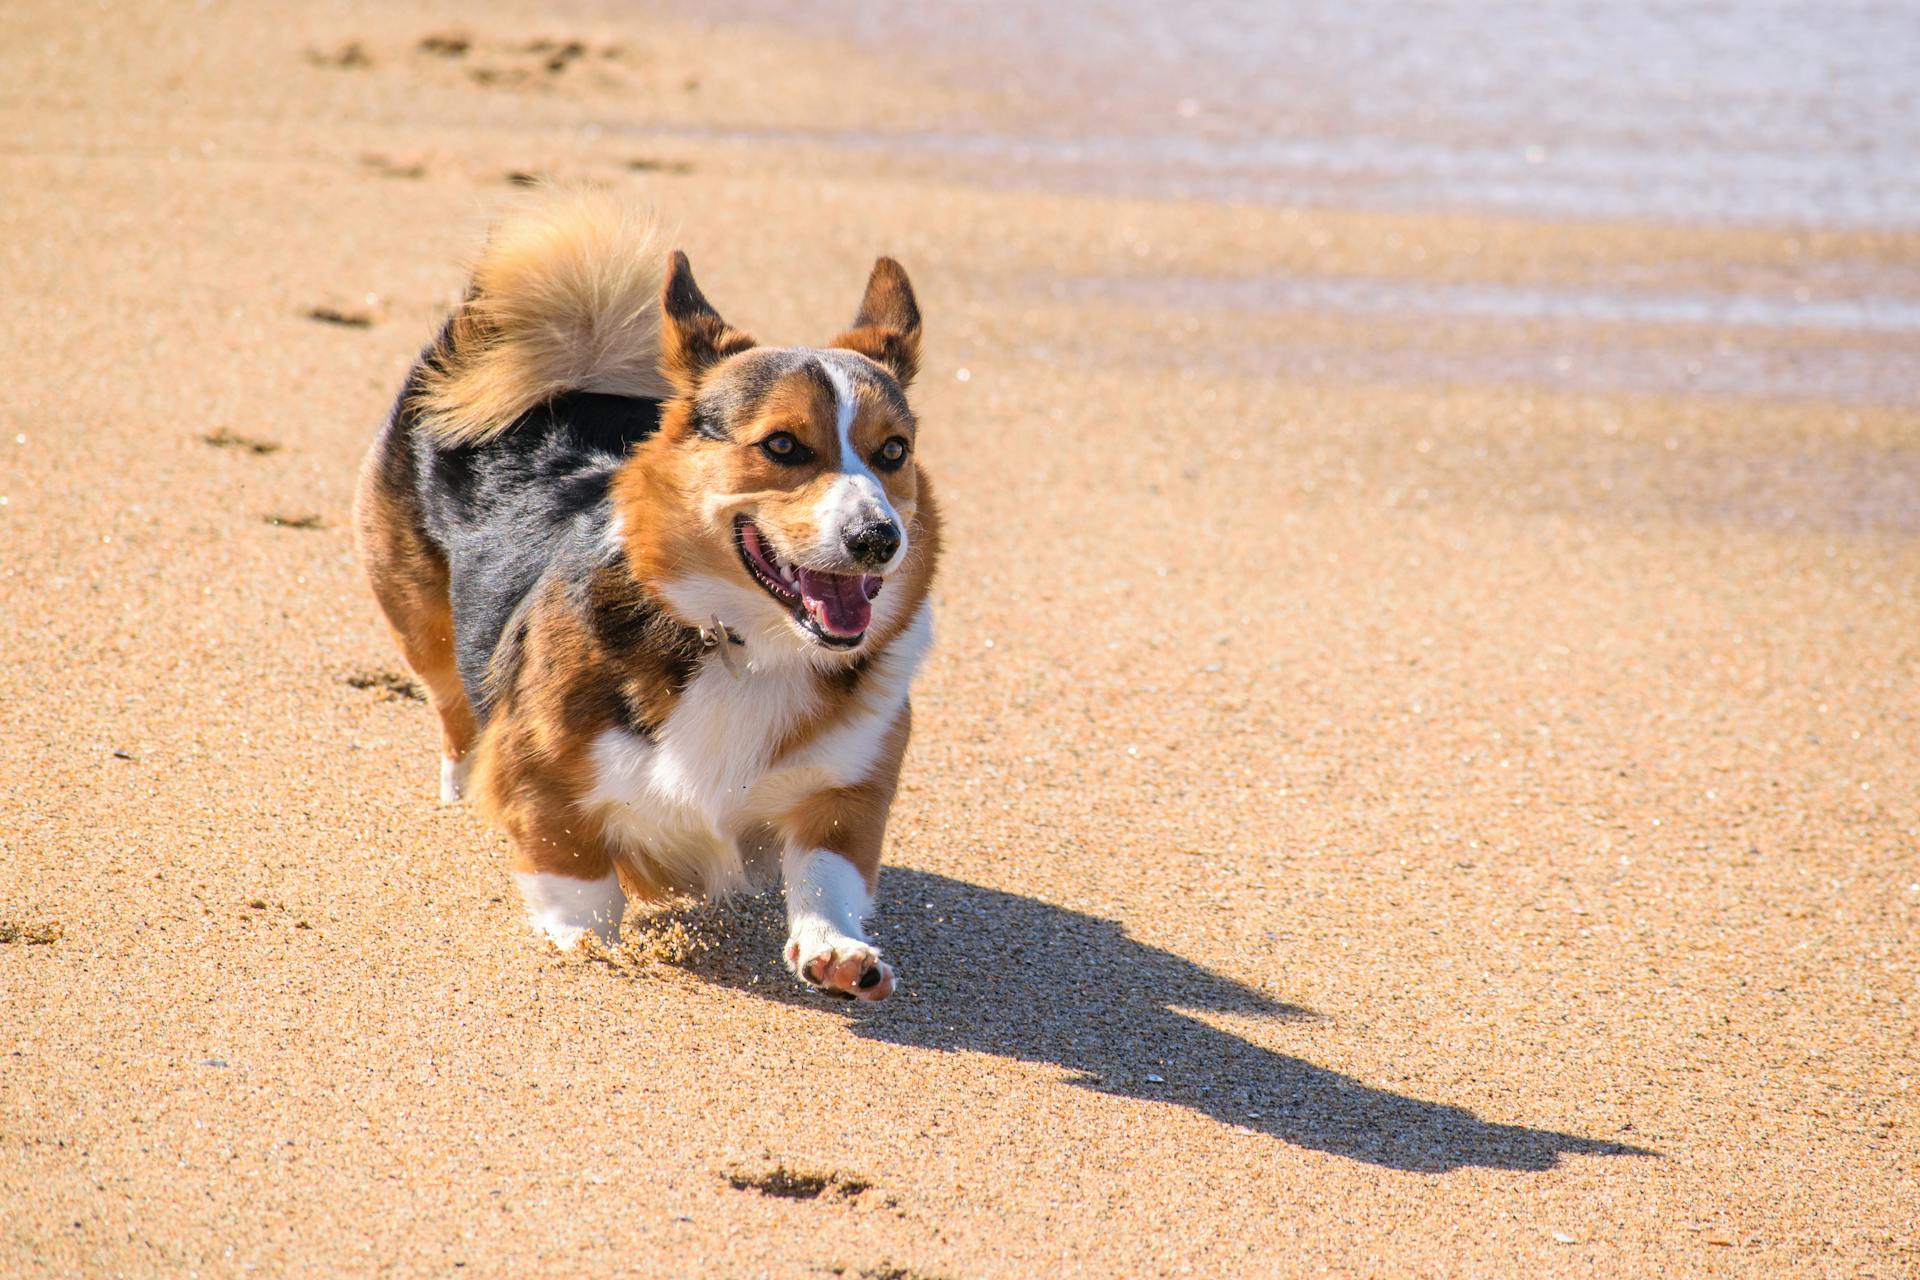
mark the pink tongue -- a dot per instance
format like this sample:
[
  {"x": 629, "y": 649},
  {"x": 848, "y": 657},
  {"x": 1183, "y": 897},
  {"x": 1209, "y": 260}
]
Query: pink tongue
[{"x": 837, "y": 601}]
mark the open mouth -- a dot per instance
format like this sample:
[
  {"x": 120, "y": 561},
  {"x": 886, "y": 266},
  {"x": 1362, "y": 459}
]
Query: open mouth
[{"x": 835, "y": 607}]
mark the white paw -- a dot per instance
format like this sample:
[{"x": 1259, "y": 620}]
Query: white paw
[
  {"x": 565, "y": 910},
  {"x": 453, "y": 778},
  {"x": 833, "y": 962},
  {"x": 567, "y": 937}
]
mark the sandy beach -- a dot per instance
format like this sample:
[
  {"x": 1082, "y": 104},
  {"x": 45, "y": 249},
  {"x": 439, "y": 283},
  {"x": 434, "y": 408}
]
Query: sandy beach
[{"x": 1417, "y": 776}]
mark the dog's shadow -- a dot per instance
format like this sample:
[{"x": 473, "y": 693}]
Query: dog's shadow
[{"x": 994, "y": 972}]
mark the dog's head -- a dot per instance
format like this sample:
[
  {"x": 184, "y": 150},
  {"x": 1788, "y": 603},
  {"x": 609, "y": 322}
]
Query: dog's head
[{"x": 792, "y": 469}]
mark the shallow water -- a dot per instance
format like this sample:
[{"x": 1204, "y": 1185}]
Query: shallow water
[
  {"x": 1391, "y": 297},
  {"x": 1687, "y": 110}
]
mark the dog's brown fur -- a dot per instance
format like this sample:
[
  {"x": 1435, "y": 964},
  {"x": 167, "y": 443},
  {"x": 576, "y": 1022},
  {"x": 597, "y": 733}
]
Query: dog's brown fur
[{"x": 557, "y": 305}]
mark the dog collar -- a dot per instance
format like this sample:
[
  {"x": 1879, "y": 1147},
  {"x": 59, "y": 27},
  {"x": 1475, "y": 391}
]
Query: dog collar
[{"x": 718, "y": 635}]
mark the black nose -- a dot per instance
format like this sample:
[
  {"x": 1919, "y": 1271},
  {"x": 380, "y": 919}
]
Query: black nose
[{"x": 874, "y": 543}]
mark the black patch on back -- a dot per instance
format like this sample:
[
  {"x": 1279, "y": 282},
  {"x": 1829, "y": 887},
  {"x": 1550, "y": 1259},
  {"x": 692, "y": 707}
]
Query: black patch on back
[{"x": 522, "y": 509}]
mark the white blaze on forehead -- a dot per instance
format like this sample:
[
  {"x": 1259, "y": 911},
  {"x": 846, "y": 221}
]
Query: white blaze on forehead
[
  {"x": 844, "y": 406},
  {"x": 856, "y": 498}
]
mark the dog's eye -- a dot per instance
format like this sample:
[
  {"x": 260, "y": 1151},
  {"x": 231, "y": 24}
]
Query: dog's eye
[
  {"x": 891, "y": 455},
  {"x": 783, "y": 447}
]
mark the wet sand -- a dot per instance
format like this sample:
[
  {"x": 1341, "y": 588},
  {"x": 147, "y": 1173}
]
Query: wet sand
[{"x": 1417, "y": 775}]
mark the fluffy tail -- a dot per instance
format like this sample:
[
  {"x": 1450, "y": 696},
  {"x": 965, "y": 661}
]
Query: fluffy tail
[{"x": 564, "y": 298}]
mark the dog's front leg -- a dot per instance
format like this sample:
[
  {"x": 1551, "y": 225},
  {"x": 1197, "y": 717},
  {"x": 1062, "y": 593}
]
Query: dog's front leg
[
  {"x": 827, "y": 899},
  {"x": 831, "y": 862}
]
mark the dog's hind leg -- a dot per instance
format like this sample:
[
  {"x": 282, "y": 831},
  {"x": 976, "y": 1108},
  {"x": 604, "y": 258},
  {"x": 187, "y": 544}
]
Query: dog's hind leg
[
  {"x": 426, "y": 641},
  {"x": 409, "y": 580}
]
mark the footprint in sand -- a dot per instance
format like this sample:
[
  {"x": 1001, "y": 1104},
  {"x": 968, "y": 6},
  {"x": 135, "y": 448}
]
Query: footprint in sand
[
  {"x": 347, "y": 317},
  {"x": 783, "y": 1183},
  {"x": 347, "y": 57},
  {"x": 446, "y": 44},
  {"x": 385, "y": 684},
  {"x": 225, "y": 439},
  {"x": 388, "y": 167},
  {"x": 648, "y": 165},
  {"x": 532, "y": 64}
]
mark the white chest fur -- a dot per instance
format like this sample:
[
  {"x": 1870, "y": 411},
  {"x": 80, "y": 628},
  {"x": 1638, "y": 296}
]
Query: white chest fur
[{"x": 685, "y": 798}]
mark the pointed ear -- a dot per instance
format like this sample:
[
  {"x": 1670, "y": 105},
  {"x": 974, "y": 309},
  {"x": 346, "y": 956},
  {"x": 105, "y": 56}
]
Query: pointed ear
[
  {"x": 887, "y": 327},
  {"x": 693, "y": 337}
]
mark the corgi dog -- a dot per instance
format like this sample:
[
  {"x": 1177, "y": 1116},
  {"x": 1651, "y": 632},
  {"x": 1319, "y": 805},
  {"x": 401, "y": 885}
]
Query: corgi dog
[{"x": 666, "y": 587}]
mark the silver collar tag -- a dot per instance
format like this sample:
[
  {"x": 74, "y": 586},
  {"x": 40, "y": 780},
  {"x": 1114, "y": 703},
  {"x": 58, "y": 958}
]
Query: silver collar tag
[{"x": 711, "y": 637}]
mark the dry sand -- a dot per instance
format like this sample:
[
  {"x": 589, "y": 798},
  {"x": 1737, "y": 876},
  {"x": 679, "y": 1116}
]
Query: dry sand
[{"x": 1396, "y": 794}]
